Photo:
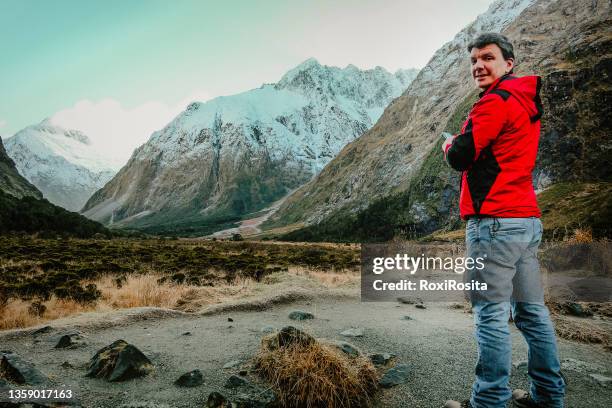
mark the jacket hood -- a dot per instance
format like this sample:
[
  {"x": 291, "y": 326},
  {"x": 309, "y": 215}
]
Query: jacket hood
[{"x": 525, "y": 89}]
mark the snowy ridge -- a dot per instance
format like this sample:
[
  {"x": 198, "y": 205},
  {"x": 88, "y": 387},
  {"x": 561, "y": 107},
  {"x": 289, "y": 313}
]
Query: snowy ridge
[
  {"x": 310, "y": 114},
  {"x": 61, "y": 163},
  {"x": 238, "y": 153}
]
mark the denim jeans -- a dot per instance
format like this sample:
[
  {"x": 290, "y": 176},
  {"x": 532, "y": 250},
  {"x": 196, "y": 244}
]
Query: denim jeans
[{"x": 509, "y": 247}]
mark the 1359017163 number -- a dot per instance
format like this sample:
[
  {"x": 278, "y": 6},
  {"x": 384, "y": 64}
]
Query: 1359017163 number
[{"x": 43, "y": 394}]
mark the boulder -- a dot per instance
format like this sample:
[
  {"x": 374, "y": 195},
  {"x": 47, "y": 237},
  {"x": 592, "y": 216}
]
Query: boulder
[
  {"x": 190, "y": 379},
  {"x": 119, "y": 361}
]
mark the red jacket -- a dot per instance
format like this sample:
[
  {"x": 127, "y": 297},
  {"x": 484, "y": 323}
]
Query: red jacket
[{"x": 497, "y": 148}]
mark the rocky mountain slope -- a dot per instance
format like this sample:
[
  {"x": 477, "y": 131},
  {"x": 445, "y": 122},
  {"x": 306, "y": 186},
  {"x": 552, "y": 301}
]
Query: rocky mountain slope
[
  {"x": 393, "y": 177},
  {"x": 11, "y": 182},
  {"x": 22, "y": 208},
  {"x": 61, "y": 163},
  {"x": 232, "y": 155}
]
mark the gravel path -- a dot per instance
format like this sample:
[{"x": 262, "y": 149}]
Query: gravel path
[{"x": 437, "y": 344}]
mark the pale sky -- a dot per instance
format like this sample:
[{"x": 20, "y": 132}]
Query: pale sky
[{"x": 120, "y": 69}]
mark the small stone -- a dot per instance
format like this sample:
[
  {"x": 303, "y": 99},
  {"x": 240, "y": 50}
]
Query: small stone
[
  {"x": 406, "y": 301},
  {"x": 407, "y": 318},
  {"x": 519, "y": 365},
  {"x": 215, "y": 400},
  {"x": 347, "y": 348},
  {"x": 70, "y": 340},
  {"x": 268, "y": 329},
  {"x": 235, "y": 381},
  {"x": 381, "y": 359},
  {"x": 229, "y": 319},
  {"x": 395, "y": 376},
  {"x": 420, "y": 306},
  {"x": 243, "y": 372},
  {"x": 66, "y": 364},
  {"x": 601, "y": 379},
  {"x": 187, "y": 334},
  {"x": 190, "y": 379},
  {"x": 300, "y": 315},
  {"x": 42, "y": 330},
  {"x": 232, "y": 364},
  {"x": 353, "y": 332}
]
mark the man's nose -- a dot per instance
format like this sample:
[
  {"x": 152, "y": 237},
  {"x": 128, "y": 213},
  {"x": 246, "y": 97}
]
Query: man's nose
[{"x": 478, "y": 65}]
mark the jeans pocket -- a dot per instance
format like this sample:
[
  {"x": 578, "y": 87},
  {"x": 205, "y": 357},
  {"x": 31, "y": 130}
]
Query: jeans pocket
[{"x": 507, "y": 242}]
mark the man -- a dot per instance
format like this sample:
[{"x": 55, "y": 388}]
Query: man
[{"x": 496, "y": 153}]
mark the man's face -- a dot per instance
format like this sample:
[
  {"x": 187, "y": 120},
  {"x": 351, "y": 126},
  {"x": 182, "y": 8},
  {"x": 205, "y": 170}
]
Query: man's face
[{"x": 488, "y": 64}]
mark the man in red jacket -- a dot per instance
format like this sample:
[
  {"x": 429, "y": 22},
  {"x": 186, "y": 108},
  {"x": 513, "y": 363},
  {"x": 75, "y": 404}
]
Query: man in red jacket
[{"x": 496, "y": 154}]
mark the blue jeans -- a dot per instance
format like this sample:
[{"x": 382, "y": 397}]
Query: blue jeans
[{"x": 509, "y": 247}]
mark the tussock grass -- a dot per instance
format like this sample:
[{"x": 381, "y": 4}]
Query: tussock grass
[
  {"x": 312, "y": 374},
  {"x": 134, "y": 291},
  {"x": 330, "y": 279}
]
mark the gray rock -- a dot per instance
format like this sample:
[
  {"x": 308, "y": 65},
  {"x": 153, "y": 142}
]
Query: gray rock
[
  {"x": 256, "y": 398},
  {"x": 190, "y": 379},
  {"x": 420, "y": 306},
  {"x": 579, "y": 365},
  {"x": 406, "y": 300},
  {"x": 232, "y": 364},
  {"x": 216, "y": 400},
  {"x": 300, "y": 315},
  {"x": 71, "y": 340},
  {"x": 19, "y": 371},
  {"x": 268, "y": 329},
  {"x": 347, "y": 348},
  {"x": 353, "y": 332},
  {"x": 42, "y": 330},
  {"x": 395, "y": 376},
  {"x": 601, "y": 379},
  {"x": 235, "y": 381},
  {"x": 119, "y": 361},
  {"x": 407, "y": 318},
  {"x": 381, "y": 359},
  {"x": 576, "y": 309}
]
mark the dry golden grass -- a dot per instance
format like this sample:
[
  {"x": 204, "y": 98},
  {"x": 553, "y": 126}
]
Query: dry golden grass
[
  {"x": 316, "y": 375},
  {"x": 15, "y": 313},
  {"x": 580, "y": 236},
  {"x": 583, "y": 331},
  {"x": 135, "y": 291},
  {"x": 330, "y": 279}
]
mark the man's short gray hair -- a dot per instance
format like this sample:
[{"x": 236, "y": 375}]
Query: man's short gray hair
[{"x": 493, "y": 38}]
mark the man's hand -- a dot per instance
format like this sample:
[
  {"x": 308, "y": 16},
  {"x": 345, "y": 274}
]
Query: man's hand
[{"x": 446, "y": 143}]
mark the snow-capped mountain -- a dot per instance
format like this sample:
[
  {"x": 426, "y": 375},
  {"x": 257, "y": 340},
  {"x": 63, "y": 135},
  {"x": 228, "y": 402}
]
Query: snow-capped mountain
[
  {"x": 61, "y": 163},
  {"x": 234, "y": 154}
]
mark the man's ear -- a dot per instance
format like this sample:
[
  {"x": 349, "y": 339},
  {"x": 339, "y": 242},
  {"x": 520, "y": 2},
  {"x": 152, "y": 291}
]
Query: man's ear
[{"x": 509, "y": 65}]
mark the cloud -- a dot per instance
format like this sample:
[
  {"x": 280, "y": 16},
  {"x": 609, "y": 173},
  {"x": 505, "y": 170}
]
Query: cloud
[{"x": 116, "y": 131}]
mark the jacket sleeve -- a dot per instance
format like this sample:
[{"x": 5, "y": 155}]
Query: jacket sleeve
[{"x": 485, "y": 123}]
